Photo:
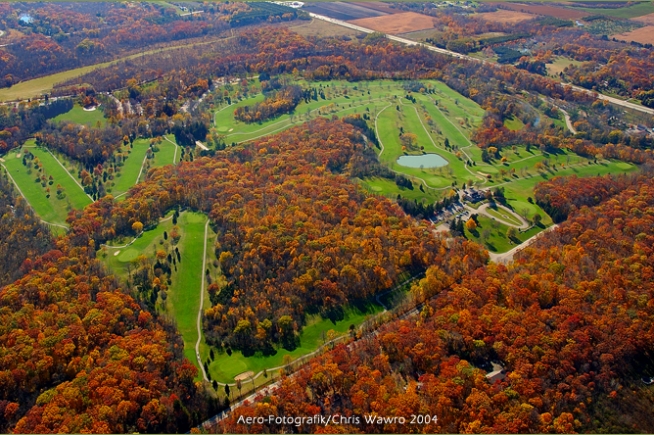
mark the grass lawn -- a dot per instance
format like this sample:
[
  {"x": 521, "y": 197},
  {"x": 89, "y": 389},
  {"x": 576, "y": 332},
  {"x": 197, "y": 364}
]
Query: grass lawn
[
  {"x": 514, "y": 123},
  {"x": 129, "y": 172},
  {"x": 504, "y": 215},
  {"x": 225, "y": 367},
  {"x": 80, "y": 116},
  {"x": 168, "y": 153},
  {"x": 388, "y": 188},
  {"x": 559, "y": 64},
  {"x": 52, "y": 209},
  {"x": 518, "y": 191}
]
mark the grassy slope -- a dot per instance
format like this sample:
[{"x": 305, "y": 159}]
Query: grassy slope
[
  {"x": 49, "y": 209},
  {"x": 183, "y": 300},
  {"x": 225, "y": 367},
  {"x": 131, "y": 168},
  {"x": 165, "y": 155},
  {"x": 80, "y": 116}
]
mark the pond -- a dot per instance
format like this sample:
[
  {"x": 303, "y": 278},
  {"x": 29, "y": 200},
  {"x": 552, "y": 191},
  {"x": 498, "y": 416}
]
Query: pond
[{"x": 425, "y": 161}]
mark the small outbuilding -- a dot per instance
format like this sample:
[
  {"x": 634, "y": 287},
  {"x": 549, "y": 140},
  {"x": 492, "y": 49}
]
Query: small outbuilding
[{"x": 497, "y": 375}]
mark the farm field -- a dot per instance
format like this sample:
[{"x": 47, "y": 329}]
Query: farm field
[
  {"x": 53, "y": 209},
  {"x": 323, "y": 28},
  {"x": 639, "y": 9},
  {"x": 377, "y": 6},
  {"x": 503, "y": 16},
  {"x": 559, "y": 64},
  {"x": 80, "y": 116},
  {"x": 398, "y": 23},
  {"x": 552, "y": 11},
  {"x": 341, "y": 11},
  {"x": 646, "y": 19},
  {"x": 644, "y": 35},
  {"x": 39, "y": 86}
]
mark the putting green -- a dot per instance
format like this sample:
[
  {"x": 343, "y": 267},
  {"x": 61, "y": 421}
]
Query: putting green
[
  {"x": 222, "y": 129},
  {"x": 128, "y": 255},
  {"x": 624, "y": 165}
]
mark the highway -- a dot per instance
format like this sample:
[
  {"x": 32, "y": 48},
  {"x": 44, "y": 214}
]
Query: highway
[{"x": 409, "y": 42}]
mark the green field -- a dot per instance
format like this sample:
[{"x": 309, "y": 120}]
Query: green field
[
  {"x": 129, "y": 172},
  {"x": 168, "y": 153},
  {"x": 80, "y": 116},
  {"x": 637, "y": 10},
  {"x": 225, "y": 367},
  {"x": 503, "y": 215},
  {"x": 514, "y": 123},
  {"x": 53, "y": 209},
  {"x": 183, "y": 296},
  {"x": 559, "y": 64},
  {"x": 183, "y": 300}
]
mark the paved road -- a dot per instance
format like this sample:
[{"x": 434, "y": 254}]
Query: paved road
[
  {"x": 506, "y": 257},
  {"x": 409, "y": 42},
  {"x": 500, "y": 208},
  {"x": 199, "y": 322}
]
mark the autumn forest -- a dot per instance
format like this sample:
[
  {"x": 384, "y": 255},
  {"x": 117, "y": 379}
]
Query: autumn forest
[{"x": 216, "y": 215}]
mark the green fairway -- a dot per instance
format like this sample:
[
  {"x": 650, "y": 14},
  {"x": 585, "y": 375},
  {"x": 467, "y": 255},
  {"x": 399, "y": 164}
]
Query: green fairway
[
  {"x": 131, "y": 171},
  {"x": 80, "y": 116},
  {"x": 183, "y": 296},
  {"x": 55, "y": 208},
  {"x": 225, "y": 367},
  {"x": 168, "y": 153},
  {"x": 119, "y": 259},
  {"x": 183, "y": 300}
]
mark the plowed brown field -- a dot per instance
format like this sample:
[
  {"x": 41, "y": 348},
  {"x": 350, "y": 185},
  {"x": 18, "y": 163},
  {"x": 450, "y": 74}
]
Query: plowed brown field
[
  {"x": 644, "y": 35},
  {"x": 552, "y": 11},
  {"x": 397, "y": 23},
  {"x": 502, "y": 16}
]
